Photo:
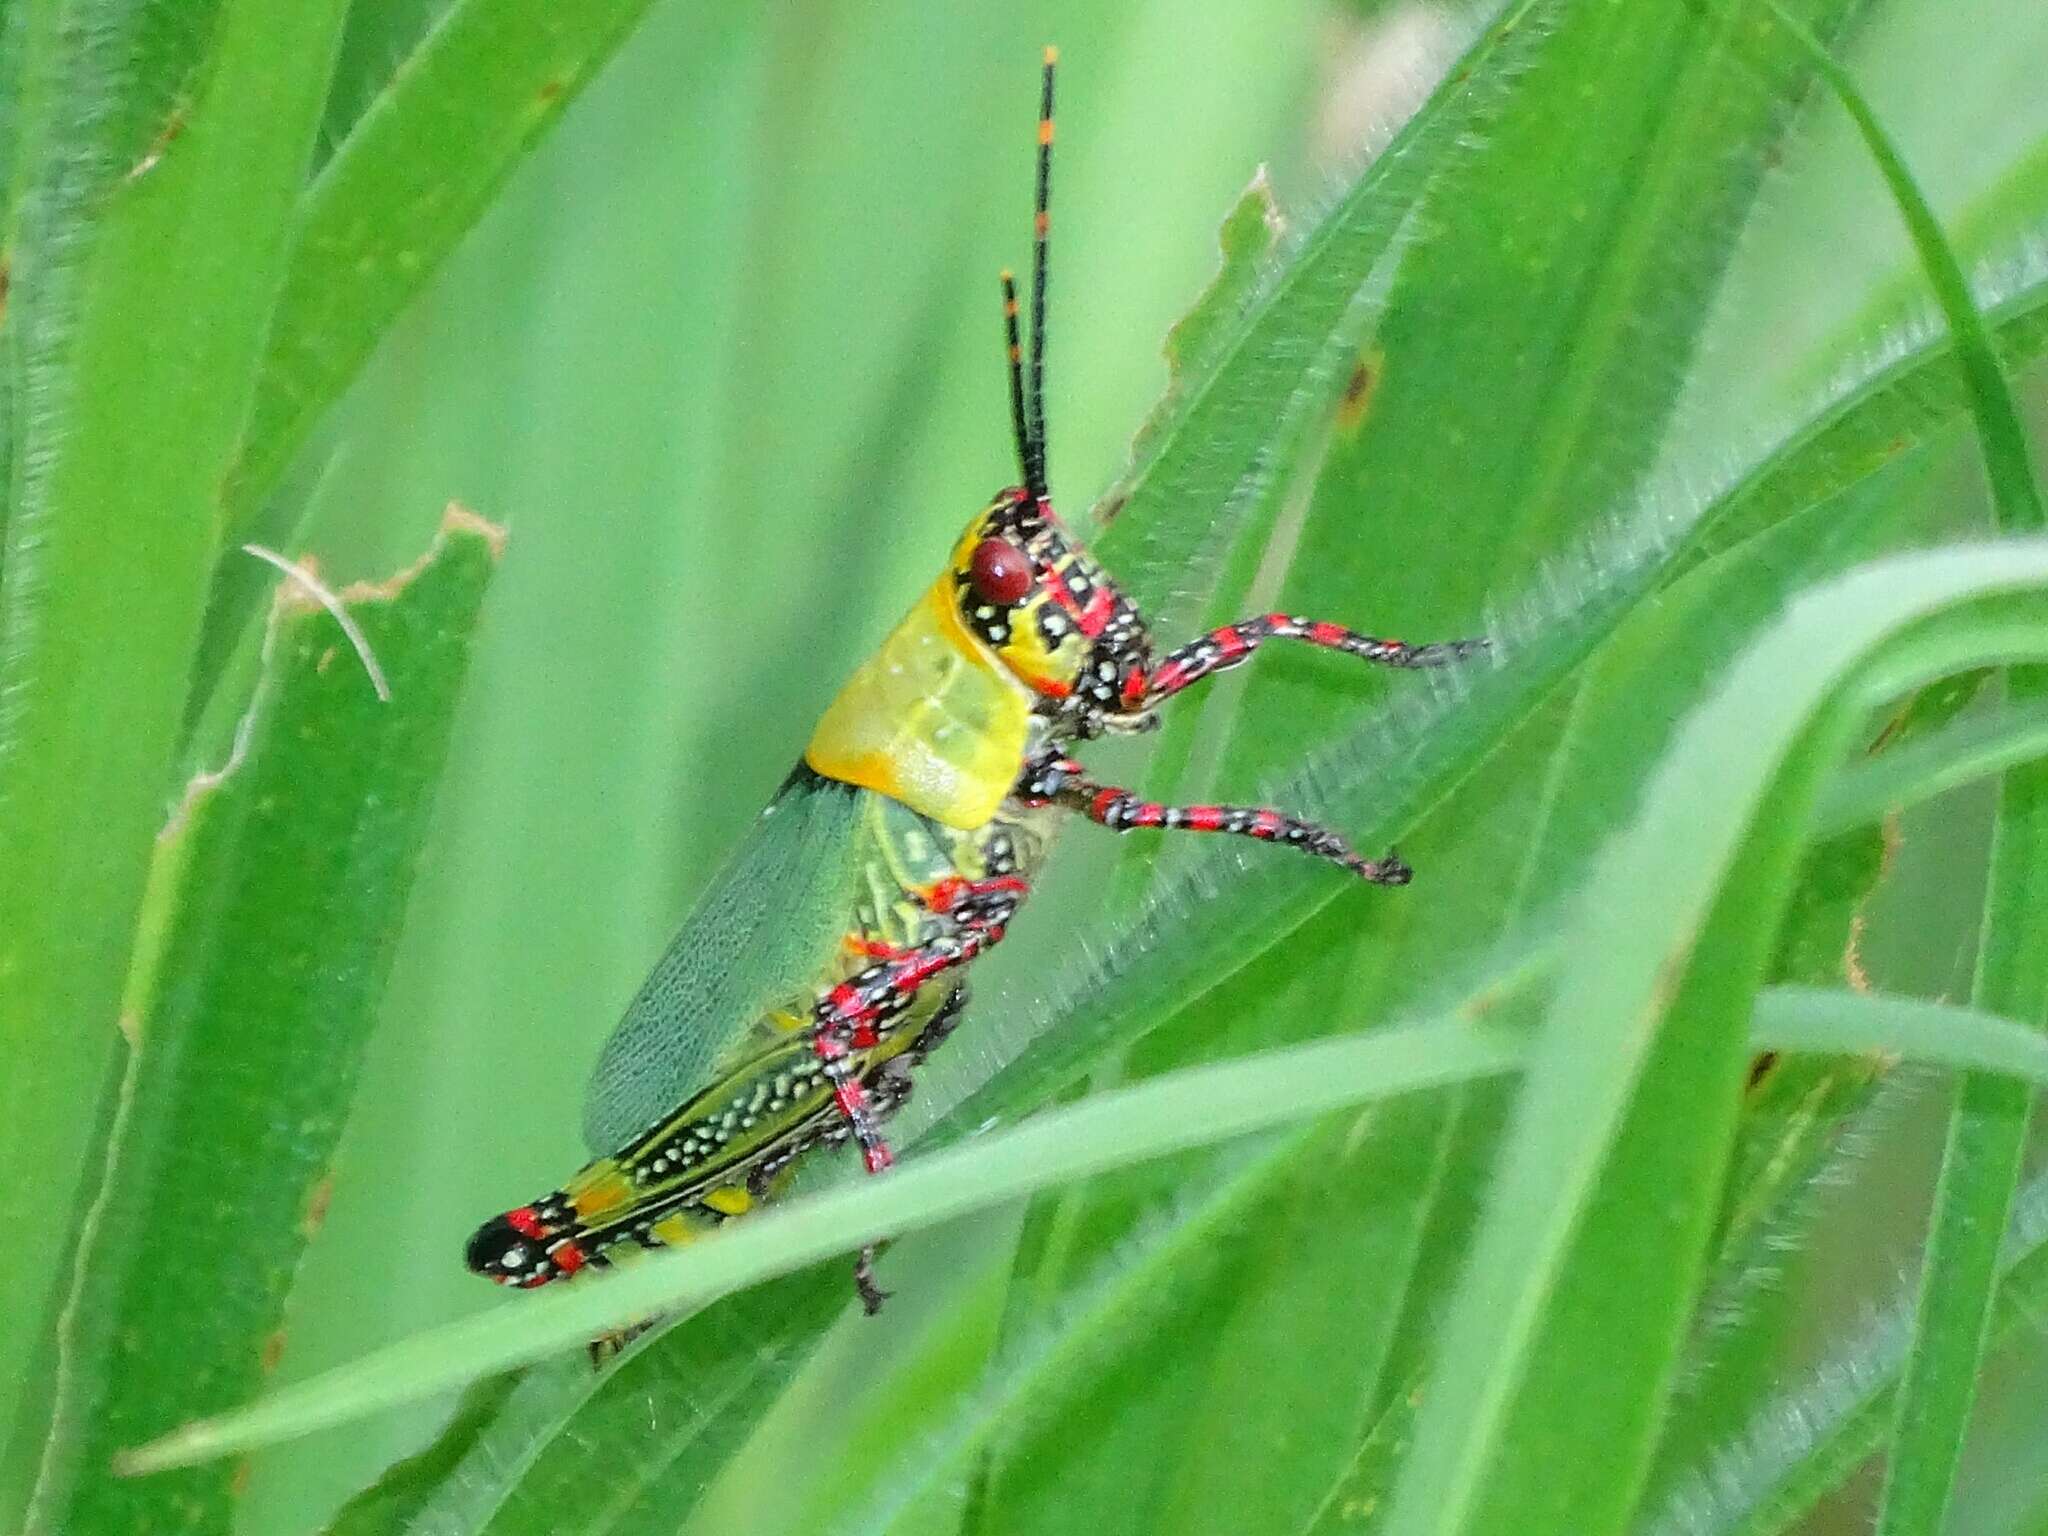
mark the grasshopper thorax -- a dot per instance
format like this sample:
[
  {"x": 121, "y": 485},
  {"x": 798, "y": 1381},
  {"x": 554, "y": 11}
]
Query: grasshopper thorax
[{"x": 1023, "y": 638}]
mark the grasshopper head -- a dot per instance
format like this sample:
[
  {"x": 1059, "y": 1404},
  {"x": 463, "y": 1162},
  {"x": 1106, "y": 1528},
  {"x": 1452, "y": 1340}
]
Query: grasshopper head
[{"x": 1029, "y": 591}]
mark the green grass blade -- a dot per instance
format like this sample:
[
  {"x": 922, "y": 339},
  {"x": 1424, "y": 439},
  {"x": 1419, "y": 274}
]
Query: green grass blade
[
  {"x": 1204, "y": 460},
  {"x": 1836, "y": 1020},
  {"x": 268, "y": 931},
  {"x": 1957, "y": 754},
  {"x": 137, "y": 313},
  {"x": 1807, "y": 1441},
  {"x": 417, "y": 171},
  {"x": 1795, "y": 1124},
  {"x": 2015, "y": 492},
  {"x": 1988, "y": 1129},
  {"x": 1195, "y": 1108},
  {"x": 1612, "y": 1106},
  {"x": 1981, "y": 1168}
]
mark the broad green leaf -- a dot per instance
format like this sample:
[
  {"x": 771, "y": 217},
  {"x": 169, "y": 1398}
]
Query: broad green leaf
[
  {"x": 1212, "y": 455},
  {"x": 274, "y": 903},
  {"x": 141, "y": 289}
]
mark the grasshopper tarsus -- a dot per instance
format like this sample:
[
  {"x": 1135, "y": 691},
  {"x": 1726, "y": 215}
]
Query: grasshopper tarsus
[{"x": 871, "y": 1294}]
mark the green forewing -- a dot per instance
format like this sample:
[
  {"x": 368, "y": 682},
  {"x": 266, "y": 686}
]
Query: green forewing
[{"x": 757, "y": 940}]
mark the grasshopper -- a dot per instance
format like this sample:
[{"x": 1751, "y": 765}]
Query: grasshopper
[{"x": 828, "y": 958}]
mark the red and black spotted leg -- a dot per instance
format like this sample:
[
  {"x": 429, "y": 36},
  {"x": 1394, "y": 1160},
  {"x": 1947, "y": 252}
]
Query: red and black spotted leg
[
  {"x": 1232, "y": 645},
  {"x": 856, "y": 1014},
  {"x": 1056, "y": 780}
]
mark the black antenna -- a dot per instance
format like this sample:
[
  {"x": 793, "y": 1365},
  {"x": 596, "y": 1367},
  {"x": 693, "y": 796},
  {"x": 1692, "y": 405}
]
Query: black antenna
[
  {"x": 1041, "y": 225},
  {"x": 1020, "y": 424}
]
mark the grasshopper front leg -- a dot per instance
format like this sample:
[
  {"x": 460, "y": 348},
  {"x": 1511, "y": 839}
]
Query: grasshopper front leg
[{"x": 1232, "y": 646}]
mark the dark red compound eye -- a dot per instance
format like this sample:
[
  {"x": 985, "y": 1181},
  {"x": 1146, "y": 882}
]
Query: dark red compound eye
[{"x": 1001, "y": 572}]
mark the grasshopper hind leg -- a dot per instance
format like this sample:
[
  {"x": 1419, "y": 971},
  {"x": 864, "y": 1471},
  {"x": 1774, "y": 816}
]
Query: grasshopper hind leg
[{"x": 888, "y": 1091}]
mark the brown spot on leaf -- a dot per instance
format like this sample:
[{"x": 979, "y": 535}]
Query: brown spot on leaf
[
  {"x": 551, "y": 91},
  {"x": 318, "y": 1199},
  {"x": 273, "y": 1351},
  {"x": 1359, "y": 389}
]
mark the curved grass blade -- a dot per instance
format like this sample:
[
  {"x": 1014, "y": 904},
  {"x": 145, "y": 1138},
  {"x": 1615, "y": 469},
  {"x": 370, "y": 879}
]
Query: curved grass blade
[
  {"x": 1958, "y": 754},
  {"x": 1631, "y": 1090},
  {"x": 2015, "y": 491},
  {"x": 1195, "y": 1108},
  {"x": 269, "y": 927}
]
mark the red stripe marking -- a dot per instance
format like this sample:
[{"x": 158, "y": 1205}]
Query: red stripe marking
[
  {"x": 1205, "y": 818},
  {"x": 864, "y": 1036},
  {"x": 1328, "y": 634},
  {"x": 878, "y": 1157},
  {"x": 1278, "y": 620},
  {"x": 568, "y": 1257},
  {"x": 1094, "y": 618},
  {"x": 526, "y": 1222},
  {"x": 1099, "y": 806},
  {"x": 1267, "y": 822},
  {"x": 1134, "y": 686},
  {"x": 1230, "y": 642},
  {"x": 1151, "y": 814}
]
